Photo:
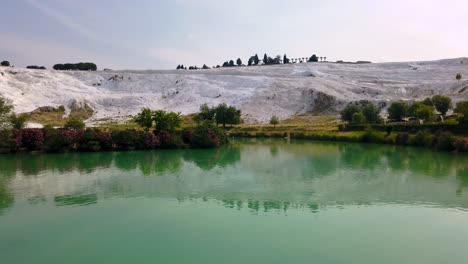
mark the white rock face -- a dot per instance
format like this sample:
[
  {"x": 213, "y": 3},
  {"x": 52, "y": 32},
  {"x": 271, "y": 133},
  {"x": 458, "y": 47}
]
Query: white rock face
[{"x": 260, "y": 91}]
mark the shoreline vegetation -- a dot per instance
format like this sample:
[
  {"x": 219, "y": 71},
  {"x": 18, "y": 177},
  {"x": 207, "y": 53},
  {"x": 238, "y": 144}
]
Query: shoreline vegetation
[{"x": 212, "y": 127}]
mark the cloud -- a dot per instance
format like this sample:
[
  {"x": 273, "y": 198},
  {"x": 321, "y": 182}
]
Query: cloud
[{"x": 64, "y": 20}]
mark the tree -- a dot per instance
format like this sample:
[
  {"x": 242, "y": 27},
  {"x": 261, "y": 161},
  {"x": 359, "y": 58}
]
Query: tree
[
  {"x": 251, "y": 61},
  {"x": 81, "y": 66},
  {"x": 313, "y": 58},
  {"x": 256, "y": 59},
  {"x": 205, "y": 114},
  {"x": 167, "y": 121},
  {"x": 442, "y": 103},
  {"x": 358, "y": 118},
  {"x": 145, "y": 118},
  {"x": 274, "y": 121},
  {"x": 18, "y": 121},
  {"x": 371, "y": 113},
  {"x": 347, "y": 113},
  {"x": 239, "y": 62},
  {"x": 5, "y": 63},
  {"x": 205, "y": 67},
  {"x": 74, "y": 123},
  {"x": 286, "y": 60},
  {"x": 265, "y": 59},
  {"x": 428, "y": 101},
  {"x": 231, "y": 63},
  {"x": 462, "y": 109},
  {"x": 458, "y": 76},
  {"x": 397, "y": 110},
  {"x": 225, "y": 114},
  {"x": 35, "y": 67},
  {"x": 424, "y": 112},
  {"x": 5, "y": 110}
]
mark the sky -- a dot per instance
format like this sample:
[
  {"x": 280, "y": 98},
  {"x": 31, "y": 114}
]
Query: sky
[{"x": 160, "y": 34}]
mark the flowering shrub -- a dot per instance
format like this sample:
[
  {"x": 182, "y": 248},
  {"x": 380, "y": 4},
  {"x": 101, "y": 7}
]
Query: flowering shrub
[
  {"x": 461, "y": 144},
  {"x": 32, "y": 139},
  {"x": 207, "y": 136},
  {"x": 105, "y": 139},
  {"x": 151, "y": 141},
  {"x": 72, "y": 136}
]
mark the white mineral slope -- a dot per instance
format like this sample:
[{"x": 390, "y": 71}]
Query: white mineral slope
[{"x": 260, "y": 91}]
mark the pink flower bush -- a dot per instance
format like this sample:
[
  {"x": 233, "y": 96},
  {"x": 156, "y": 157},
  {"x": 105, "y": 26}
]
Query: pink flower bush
[
  {"x": 213, "y": 135},
  {"x": 151, "y": 141},
  {"x": 32, "y": 139}
]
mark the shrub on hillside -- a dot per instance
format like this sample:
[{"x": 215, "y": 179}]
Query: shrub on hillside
[
  {"x": 74, "y": 123},
  {"x": 358, "y": 119},
  {"x": 349, "y": 111},
  {"x": 462, "y": 109},
  {"x": 274, "y": 121},
  {"x": 18, "y": 121}
]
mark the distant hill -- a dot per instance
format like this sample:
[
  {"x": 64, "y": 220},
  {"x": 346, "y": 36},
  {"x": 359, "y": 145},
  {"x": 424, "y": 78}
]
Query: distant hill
[{"x": 260, "y": 91}]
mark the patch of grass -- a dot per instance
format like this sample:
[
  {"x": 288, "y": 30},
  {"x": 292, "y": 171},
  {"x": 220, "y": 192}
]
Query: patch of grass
[
  {"x": 55, "y": 118},
  {"x": 304, "y": 124}
]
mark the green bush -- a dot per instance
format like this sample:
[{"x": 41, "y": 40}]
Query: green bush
[
  {"x": 130, "y": 139},
  {"x": 274, "y": 120},
  {"x": 358, "y": 118},
  {"x": 207, "y": 135},
  {"x": 349, "y": 111},
  {"x": 442, "y": 103},
  {"x": 402, "y": 139},
  {"x": 372, "y": 136},
  {"x": 18, "y": 121},
  {"x": 422, "y": 139},
  {"x": 7, "y": 143},
  {"x": 397, "y": 110},
  {"x": 444, "y": 141},
  {"x": 74, "y": 123},
  {"x": 89, "y": 141}
]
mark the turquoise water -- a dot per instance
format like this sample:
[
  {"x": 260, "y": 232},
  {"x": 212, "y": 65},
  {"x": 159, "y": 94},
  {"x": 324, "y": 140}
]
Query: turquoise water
[{"x": 268, "y": 201}]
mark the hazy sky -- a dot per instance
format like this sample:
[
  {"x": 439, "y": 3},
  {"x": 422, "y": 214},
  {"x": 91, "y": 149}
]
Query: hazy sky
[{"x": 144, "y": 34}]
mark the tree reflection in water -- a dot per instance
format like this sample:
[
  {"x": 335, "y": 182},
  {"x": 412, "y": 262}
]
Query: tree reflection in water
[{"x": 255, "y": 175}]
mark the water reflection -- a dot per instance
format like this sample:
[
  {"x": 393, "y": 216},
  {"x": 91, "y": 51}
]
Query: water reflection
[{"x": 257, "y": 175}]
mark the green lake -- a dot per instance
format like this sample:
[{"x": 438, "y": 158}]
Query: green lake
[{"x": 255, "y": 201}]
